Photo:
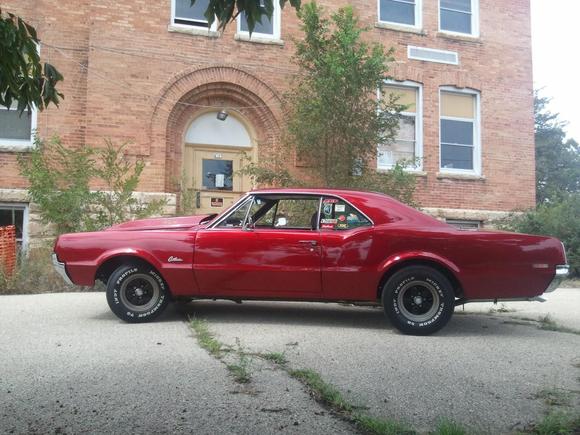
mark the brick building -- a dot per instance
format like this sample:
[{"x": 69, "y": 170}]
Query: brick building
[{"x": 152, "y": 73}]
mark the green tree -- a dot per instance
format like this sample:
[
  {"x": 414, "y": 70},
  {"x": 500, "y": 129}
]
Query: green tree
[
  {"x": 23, "y": 78},
  {"x": 226, "y": 11},
  {"x": 60, "y": 180},
  {"x": 557, "y": 158}
]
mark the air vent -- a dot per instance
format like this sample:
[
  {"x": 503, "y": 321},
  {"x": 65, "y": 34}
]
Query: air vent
[{"x": 431, "y": 55}]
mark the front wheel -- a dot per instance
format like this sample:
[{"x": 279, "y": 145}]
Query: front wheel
[
  {"x": 418, "y": 300},
  {"x": 136, "y": 293}
]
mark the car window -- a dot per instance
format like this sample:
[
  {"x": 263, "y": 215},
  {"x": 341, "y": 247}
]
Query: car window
[
  {"x": 236, "y": 219},
  {"x": 340, "y": 215},
  {"x": 294, "y": 213}
]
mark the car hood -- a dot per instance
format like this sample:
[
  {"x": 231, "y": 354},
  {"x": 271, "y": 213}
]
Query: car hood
[{"x": 175, "y": 223}]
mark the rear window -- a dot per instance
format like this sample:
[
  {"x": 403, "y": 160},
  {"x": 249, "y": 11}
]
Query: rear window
[{"x": 340, "y": 216}]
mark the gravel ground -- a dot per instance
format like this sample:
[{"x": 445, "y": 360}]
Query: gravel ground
[
  {"x": 488, "y": 372},
  {"x": 69, "y": 366}
]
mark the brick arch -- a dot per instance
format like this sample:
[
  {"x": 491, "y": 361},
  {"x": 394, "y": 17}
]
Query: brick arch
[{"x": 191, "y": 92}]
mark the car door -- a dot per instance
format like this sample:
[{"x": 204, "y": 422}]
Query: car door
[{"x": 276, "y": 254}]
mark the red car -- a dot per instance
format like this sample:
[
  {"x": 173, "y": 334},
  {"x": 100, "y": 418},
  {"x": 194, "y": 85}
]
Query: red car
[{"x": 319, "y": 245}]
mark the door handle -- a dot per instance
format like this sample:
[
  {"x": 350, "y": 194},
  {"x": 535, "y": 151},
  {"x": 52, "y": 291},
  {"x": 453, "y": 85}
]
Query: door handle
[{"x": 308, "y": 242}]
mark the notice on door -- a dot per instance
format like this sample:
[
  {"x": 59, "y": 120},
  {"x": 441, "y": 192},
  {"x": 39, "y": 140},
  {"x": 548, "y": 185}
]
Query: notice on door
[{"x": 217, "y": 202}]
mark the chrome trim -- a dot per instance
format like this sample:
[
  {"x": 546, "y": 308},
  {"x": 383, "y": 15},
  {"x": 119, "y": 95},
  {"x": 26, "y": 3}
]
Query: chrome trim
[
  {"x": 61, "y": 269},
  {"x": 562, "y": 271}
]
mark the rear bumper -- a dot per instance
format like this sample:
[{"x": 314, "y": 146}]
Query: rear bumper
[
  {"x": 562, "y": 271},
  {"x": 60, "y": 269}
]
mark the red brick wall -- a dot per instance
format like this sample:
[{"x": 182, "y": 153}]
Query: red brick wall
[{"x": 126, "y": 78}]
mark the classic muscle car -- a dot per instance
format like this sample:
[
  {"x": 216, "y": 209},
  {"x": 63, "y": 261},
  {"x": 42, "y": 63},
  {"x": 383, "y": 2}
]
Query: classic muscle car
[{"x": 320, "y": 245}]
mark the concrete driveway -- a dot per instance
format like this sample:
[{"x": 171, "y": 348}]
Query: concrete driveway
[{"x": 69, "y": 366}]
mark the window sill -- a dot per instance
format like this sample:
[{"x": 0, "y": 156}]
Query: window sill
[
  {"x": 415, "y": 172},
  {"x": 25, "y": 147},
  {"x": 258, "y": 40},
  {"x": 459, "y": 37},
  {"x": 400, "y": 28},
  {"x": 459, "y": 176},
  {"x": 191, "y": 30}
]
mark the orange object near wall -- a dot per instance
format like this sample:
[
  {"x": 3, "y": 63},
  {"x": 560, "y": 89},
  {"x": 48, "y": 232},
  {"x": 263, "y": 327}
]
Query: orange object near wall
[{"x": 8, "y": 249}]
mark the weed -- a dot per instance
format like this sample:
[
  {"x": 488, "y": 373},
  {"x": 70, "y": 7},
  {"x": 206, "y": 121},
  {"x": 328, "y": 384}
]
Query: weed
[
  {"x": 449, "y": 427},
  {"x": 323, "y": 391},
  {"x": 380, "y": 426},
  {"x": 557, "y": 423},
  {"x": 554, "y": 396},
  {"x": 546, "y": 323},
  {"x": 275, "y": 357},
  {"x": 502, "y": 308},
  {"x": 205, "y": 338},
  {"x": 240, "y": 371}
]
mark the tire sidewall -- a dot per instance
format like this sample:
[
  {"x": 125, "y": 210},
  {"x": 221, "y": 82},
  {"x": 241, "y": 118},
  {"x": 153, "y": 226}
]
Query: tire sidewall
[
  {"x": 115, "y": 284},
  {"x": 440, "y": 284}
]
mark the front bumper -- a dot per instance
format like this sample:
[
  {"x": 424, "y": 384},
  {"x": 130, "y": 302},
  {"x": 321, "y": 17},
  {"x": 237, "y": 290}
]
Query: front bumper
[
  {"x": 60, "y": 269},
  {"x": 562, "y": 271}
]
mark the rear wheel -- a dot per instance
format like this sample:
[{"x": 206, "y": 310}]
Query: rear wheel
[
  {"x": 136, "y": 293},
  {"x": 418, "y": 300}
]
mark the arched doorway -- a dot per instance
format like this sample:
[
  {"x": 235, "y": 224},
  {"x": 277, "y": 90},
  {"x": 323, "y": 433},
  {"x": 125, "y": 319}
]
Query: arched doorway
[{"x": 215, "y": 151}]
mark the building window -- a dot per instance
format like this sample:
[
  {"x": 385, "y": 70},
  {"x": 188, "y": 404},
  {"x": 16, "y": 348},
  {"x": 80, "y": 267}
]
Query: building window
[
  {"x": 184, "y": 14},
  {"x": 408, "y": 143},
  {"x": 459, "y": 131},
  {"x": 459, "y": 16},
  {"x": 16, "y": 129},
  {"x": 269, "y": 28},
  {"x": 400, "y": 12},
  {"x": 17, "y": 215},
  {"x": 466, "y": 225}
]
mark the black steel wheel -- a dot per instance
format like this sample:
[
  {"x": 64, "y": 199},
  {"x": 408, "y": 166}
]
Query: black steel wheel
[
  {"x": 136, "y": 293},
  {"x": 418, "y": 300}
]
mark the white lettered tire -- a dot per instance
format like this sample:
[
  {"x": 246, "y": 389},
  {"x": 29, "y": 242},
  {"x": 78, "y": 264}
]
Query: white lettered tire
[
  {"x": 418, "y": 300},
  {"x": 136, "y": 293}
]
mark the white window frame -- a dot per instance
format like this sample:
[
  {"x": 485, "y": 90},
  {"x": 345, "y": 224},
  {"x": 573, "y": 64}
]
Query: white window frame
[
  {"x": 213, "y": 27},
  {"x": 19, "y": 144},
  {"x": 474, "y": 21},
  {"x": 418, "y": 16},
  {"x": 418, "y": 122},
  {"x": 276, "y": 26},
  {"x": 25, "y": 220},
  {"x": 476, "y": 131}
]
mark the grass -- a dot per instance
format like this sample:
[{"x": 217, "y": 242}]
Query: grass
[
  {"x": 554, "y": 396},
  {"x": 205, "y": 338},
  {"x": 278, "y": 358},
  {"x": 449, "y": 427},
  {"x": 557, "y": 423},
  {"x": 240, "y": 371},
  {"x": 502, "y": 308},
  {"x": 546, "y": 323}
]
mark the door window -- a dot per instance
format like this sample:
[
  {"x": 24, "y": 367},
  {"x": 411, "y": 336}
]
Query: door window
[
  {"x": 340, "y": 215},
  {"x": 217, "y": 174}
]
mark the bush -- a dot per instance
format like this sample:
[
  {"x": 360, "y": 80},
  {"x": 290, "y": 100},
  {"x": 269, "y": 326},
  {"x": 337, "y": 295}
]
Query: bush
[
  {"x": 60, "y": 180},
  {"x": 558, "y": 219}
]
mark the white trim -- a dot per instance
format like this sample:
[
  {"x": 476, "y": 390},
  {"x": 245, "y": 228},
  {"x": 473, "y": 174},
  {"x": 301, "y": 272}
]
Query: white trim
[
  {"x": 476, "y": 131},
  {"x": 20, "y": 144},
  {"x": 174, "y": 27},
  {"x": 243, "y": 35},
  {"x": 474, "y": 20},
  {"x": 418, "y": 121},
  {"x": 433, "y": 50},
  {"x": 25, "y": 219},
  {"x": 418, "y": 16}
]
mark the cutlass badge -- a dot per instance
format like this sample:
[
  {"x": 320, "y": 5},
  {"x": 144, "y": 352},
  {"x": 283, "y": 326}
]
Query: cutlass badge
[{"x": 173, "y": 259}]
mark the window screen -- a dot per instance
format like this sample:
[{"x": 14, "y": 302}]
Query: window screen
[
  {"x": 458, "y": 117},
  {"x": 187, "y": 14},
  {"x": 15, "y": 126},
  {"x": 456, "y": 16},
  {"x": 398, "y": 11}
]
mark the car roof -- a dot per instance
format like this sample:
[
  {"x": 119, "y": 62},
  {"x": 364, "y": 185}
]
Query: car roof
[{"x": 380, "y": 207}]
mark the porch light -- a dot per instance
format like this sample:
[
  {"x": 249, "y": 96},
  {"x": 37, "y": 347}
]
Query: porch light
[{"x": 222, "y": 115}]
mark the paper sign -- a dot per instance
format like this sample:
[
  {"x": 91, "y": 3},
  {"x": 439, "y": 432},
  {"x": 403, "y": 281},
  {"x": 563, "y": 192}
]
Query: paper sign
[
  {"x": 340, "y": 208},
  {"x": 327, "y": 221},
  {"x": 220, "y": 180}
]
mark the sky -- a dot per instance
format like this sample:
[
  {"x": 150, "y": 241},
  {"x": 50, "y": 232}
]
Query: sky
[{"x": 556, "y": 55}]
